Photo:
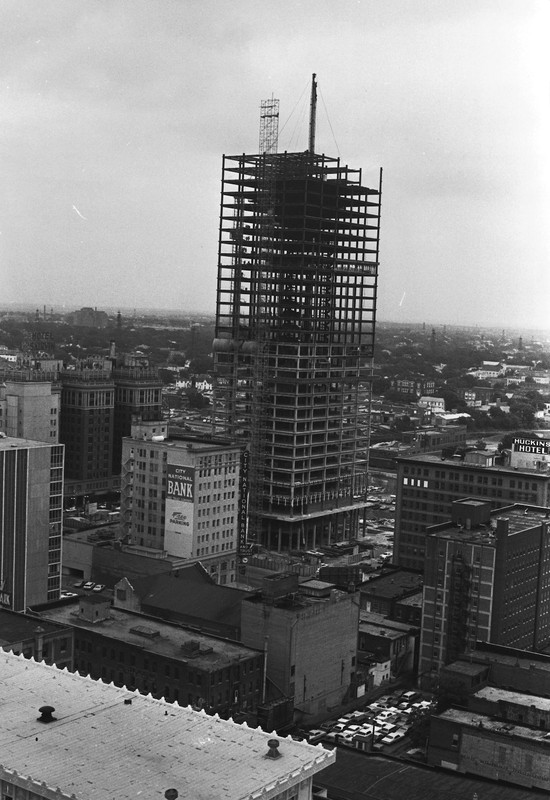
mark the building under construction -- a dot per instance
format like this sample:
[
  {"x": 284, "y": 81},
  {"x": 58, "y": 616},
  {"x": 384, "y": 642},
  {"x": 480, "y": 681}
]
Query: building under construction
[{"x": 296, "y": 307}]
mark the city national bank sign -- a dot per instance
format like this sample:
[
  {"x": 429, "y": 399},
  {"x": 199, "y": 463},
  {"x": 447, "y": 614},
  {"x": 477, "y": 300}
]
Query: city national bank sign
[{"x": 180, "y": 499}]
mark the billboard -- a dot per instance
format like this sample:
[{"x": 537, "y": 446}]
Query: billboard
[
  {"x": 540, "y": 447},
  {"x": 530, "y": 453},
  {"x": 180, "y": 500}
]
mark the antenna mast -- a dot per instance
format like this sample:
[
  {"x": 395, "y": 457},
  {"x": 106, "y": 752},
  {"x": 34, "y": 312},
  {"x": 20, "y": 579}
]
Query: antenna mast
[
  {"x": 312, "y": 113},
  {"x": 269, "y": 125}
]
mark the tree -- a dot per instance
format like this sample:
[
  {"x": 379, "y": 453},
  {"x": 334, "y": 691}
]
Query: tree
[{"x": 196, "y": 399}]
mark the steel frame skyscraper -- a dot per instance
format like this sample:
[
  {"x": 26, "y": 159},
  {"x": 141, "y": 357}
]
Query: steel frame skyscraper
[{"x": 295, "y": 324}]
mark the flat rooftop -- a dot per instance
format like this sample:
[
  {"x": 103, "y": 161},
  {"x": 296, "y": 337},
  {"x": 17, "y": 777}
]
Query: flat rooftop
[
  {"x": 494, "y": 695},
  {"x": 374, "y": 623},
  {"x": 520, "y": 518},
  {"x": 435, "y": 459},
  {"x": 100, "y": 746},
  {"x": 355, "y": 776},
  {"x": 15, "y": 627},
  {"x": 11, "y": 442},
  {"x": 392, "y": 584},
  {"x": 152, "y": 635},
  {"x": 471, "y": 719}
]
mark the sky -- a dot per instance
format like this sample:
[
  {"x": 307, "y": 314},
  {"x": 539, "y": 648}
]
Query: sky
[{"x": 114, "y": 115}]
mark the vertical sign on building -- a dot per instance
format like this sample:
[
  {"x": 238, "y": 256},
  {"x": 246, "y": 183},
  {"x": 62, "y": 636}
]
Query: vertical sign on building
[
  {"x": 180, "y": 498},
  {"x": 243, "y": 504}
]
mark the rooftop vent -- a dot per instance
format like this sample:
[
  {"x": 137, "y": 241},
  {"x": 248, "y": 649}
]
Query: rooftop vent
[
  {"x": 143, "y": 630},
  {"x": 46, "y": 714},
  {"x": 273, "y": 751}
]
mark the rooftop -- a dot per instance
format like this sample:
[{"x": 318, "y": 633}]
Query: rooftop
[
  {"x": 434, "y": 458},
  {"x": 494, "y": 695},
  {"x": 9, "y": 442},
  {"x": 153, "y": 635},
  {"x": 473, "y": 720},
  {"x": 376, "y": 623},
  {"x": 15, "y": 627},
  {"x": 108, "y": 742},
  {"x": 393, "y": 584},
  {"x": 519, "y": 518}
]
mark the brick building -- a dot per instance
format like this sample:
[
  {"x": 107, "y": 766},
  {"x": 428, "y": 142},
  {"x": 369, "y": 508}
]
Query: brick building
[
  {"x": 162, "y": 658},
  {"x": 311, "y": 639},
  {"x": 180, "y": 494},
  {"x": 427, "y": 486},
  {"x": 487, "y": 578}
]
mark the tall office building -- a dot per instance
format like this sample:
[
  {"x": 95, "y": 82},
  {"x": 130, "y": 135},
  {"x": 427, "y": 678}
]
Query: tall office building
[
  {"x": 86, "y": 430},
  {"x": 295, "y": 318},
  {"x": 181, "y": 495},
  {"x": 29, "y": 406},
  {"x": 138, "y": 391},
  {"x": 31, "y": 505},
  {"x": 427, "y": 486}
]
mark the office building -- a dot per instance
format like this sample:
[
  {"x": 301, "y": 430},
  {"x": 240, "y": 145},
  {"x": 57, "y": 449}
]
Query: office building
[
  {"x": 86, "y": 430},
  {"x": 487, "y": 578},
  {"x": 138, "y": 392},
  {"x": 181, "y": 495},
  {"x": 31, "y": 506},
  {"x": 428, "y": 485},
  {"x": 310, "y": 631},
  {"x": 29, "y": 406},
  {"x": 295, "y": 319},
  {"x": 66, "y": 737}
]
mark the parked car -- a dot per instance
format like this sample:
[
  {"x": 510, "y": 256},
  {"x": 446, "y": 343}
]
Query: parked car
[
  {"x": 79, "y": 584},
  {"x": 98, "y": 587},
  {"x": 88, "y": 585},
  {"x": 316, "y": 735},
  {"x": 393, "y": 737},
  {"x": 410, "y": 697}
]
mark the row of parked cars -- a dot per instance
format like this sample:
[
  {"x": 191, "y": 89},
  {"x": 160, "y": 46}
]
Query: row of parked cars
[
  {"x": 89, "y": 586},
  {"x": 382, "y": 723}
]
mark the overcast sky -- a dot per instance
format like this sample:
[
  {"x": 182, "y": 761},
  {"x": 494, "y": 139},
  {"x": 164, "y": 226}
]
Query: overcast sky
[{"x": 114, "y": 115}]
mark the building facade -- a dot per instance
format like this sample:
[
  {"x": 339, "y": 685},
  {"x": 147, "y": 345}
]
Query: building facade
[
  {"x": 164, "y": 658},
  {"x": 428, "y": 485},
  {"x": 487, "y": 578},
  {"x": 311, "y": 641},
  {"x": 86, "y": 430},
  {"x": 138, "y": 391},
  {"x": 31, "y": 507},
  {"x": 295, "y": 318},
  {"x": 29, "y": 406},
  {"x": 181, "y": 495}
]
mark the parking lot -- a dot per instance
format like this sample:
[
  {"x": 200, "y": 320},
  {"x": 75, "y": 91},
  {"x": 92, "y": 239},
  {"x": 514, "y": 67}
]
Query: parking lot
[{"x": 383, "y": 725}]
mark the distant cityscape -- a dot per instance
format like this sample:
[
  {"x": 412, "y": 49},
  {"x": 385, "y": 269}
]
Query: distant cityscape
[{"x": 228, "y": 537}]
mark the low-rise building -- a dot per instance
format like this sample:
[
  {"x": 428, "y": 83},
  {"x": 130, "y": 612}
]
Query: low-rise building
[
  {"x": 386, "y": 640},
  {"x": 39, "y": 639},
  {"x": 165, "y": 659},
  {"x": 311, "y": 639},
  {"x": 478, "y": 744}
]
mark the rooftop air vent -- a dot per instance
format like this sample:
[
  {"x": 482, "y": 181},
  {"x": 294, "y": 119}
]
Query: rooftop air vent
[
  {"x": 46, "y": 714},
  {"x": 273, "y": 751}
]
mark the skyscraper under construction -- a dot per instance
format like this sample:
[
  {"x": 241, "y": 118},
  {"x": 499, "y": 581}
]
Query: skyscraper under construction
[{"x": 295, "y": 321}]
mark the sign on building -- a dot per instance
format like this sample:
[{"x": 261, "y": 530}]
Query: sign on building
[{"x": 180, "y": 499}]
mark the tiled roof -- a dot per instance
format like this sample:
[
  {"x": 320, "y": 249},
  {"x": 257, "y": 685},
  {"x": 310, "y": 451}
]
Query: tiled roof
[{"x": 101, "y": 747}]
